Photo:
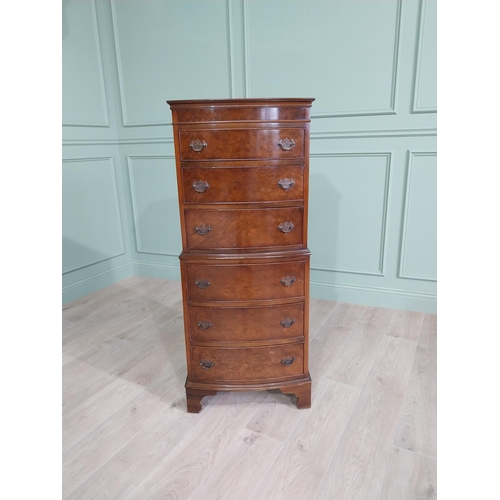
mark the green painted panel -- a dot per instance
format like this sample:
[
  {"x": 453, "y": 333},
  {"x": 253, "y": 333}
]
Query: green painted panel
[
  {"x": 426, "y": 67},
  {"x": 91, "y": 224},
  {"x": 156, "y": 209},
  {"x": 347, "y": 212},
  {"x": 341, "y": 52},
  {"x": 83, "y": 95},
  {"x": 418, "y": 252},
  {"x": 170, "y": 50}
]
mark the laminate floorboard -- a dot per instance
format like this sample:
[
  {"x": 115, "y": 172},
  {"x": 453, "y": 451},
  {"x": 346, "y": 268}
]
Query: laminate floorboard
[
  {"x": 119, "y": 364},
  {"x": 125, "y": 317},
  {"x": 319, "y": 312},
  {"x": 95, "y": 410},
  {"x": 241, "y": 470},
  {"x": 190, "y": 463},
  {"x": 369, "y": 435},
  {"x": 411, "y": 476},
  {"x": 417, "y": 429},
  {"x": 297, "y": 472},
  {"x": 276, "y": 417},
  {"x": 331, "y": 339},
  {"x": 362, "y": 457},
  {"x": 94, "y": 303},
  {"x": 355, "y": 360},
  {"x": 116, "y": 309},
  {"x": 406, "y": 324},
  {"x": 135, "y": 461},
  {"x": 92, "y": 451}
]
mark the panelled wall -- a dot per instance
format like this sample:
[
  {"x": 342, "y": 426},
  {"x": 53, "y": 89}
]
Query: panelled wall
[{"x": 371, "y": 65}]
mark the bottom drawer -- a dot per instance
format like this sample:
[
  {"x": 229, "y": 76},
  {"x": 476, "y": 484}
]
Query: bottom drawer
[{"x": 211, "y": 364}]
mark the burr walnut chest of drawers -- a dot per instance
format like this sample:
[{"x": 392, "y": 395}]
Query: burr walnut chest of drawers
[{"x": 242, "y": 172}]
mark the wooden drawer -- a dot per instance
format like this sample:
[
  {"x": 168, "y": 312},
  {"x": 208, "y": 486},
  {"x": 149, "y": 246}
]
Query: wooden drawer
[
  {"x": 235, "y": 144},
  {"x": 247, "y": 228},
  {"x": 240, "y": 185},
  {"x": 247, "y": 364},
  {"x": 246, "y": 324},
  {"x": 207, "y": 282},
  {"x": 241, "y": 113}
]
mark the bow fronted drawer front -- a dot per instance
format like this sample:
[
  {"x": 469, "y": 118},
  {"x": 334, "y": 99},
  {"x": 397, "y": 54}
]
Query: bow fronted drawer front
[
  {"x": 261, "y": 113},
  {"x": 245, "y": 281},
  {"x": 245, "y": 228},
  {"x": 252, "y": 184},
  {"x": 240, "y": 144},
  {"x": 254, "y": 364},
  {"x": 227, "y": 324}
]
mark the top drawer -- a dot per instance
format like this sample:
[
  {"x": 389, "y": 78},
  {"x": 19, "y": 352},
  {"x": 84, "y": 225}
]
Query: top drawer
[
  {"x": 234, "y": 144},
  {"x": 242, "y": 112}
]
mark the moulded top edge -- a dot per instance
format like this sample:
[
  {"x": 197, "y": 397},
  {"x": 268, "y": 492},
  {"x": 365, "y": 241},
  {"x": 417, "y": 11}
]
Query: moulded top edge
[{"x": 242, "y": 101}]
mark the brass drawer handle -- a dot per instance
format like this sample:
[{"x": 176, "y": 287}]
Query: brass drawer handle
[
  {"x": 203, "y": 229},
  {"x": 205, "y": 363},
  {"x": 288, "y": 360},
  {"x": 200, "y": 186},
  {"x": 286, "y": 183},
  {"x": 287, "y": 322},
  {"x": 204, "y": 325},
  {"x": 286, "y": 144},
  {"x": 286, "y": 227},
  {"x": 202, "y": 283},
  {"x": 197, "y": 145},
  {"x": 288, "y": 280}
]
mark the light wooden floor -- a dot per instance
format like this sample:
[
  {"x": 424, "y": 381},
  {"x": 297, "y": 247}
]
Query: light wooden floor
[{"x": 370, "y": 434}]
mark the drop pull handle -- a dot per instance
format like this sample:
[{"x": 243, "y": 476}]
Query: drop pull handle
[
  {"x": 288, "y": 360},
  {"x": 197, "y": 145},
  {"x": 287, "y": 322},
  {"x": 286, "y": 144},
  {"x": 203, "y": 229},
  {"x": 200, "y": 186},
  {"x": 286, "y": 183},
  {"x": 202, "y": 283},
  {"x": 288, "y": 280},
  {"x": 206, "y": 364},
  {"x": 286, "y": 227},
  {"x": 204, "y": 325}
]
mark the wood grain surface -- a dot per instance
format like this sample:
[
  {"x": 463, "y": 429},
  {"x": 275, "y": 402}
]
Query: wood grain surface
[
  {"x": 241, "y": 144},
  {"x": 356, "y": 358},
  {"x": 417, "y": 428},
  {"x": 244, "y": 184},
  {"x": 247, "y": 364},
  {"x": 242, "y": 469},
  {"x": 305, "y": 456},
  {"x": 361, "y": 460},
  {"x": 241, "y": 229},
  {"x": 239, "y": 110},
  {"x": 222, "y": 324},
  {"x": 245, "y": 281},
  {"x": 410, "y": 476}
]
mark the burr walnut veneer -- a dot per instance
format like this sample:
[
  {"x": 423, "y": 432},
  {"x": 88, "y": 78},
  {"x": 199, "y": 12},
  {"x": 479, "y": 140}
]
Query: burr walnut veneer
[{"x": 242, "y": 172}]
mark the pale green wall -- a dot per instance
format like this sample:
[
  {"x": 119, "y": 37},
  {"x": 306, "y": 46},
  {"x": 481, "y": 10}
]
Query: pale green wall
[{"x": 371, "y": 65}]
